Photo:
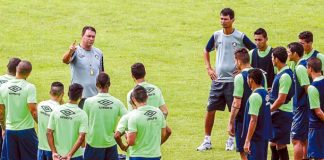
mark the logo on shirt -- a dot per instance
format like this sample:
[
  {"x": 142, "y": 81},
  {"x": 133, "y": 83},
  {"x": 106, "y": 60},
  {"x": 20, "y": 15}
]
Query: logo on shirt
[
  {"x": 3, "y": 81},
  {"x": 97, "y": 56},
  {"x": 149, "y": 89},
  {"x": 234, "y": 44},
  {"x": 105, "y": 102},
  {"x": 14, "y": 88},
  {"x": 81, "y": 55},
  {"x": 67, "y": 112},
  {"x": 47, "y": 108},
  {"x": 150, "y": 113}
]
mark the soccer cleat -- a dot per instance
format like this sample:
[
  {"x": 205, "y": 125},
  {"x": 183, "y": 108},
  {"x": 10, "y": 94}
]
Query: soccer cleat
[
  {"x": 205, "y": 146},
  {"x": 229, "y": 144}
]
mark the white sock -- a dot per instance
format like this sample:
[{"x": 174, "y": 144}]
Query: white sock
[
  {"x": 207, "y": 139},
  {"x": 231, "y": 138}
]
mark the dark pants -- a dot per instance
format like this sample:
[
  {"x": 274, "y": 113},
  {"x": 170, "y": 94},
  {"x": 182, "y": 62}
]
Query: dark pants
[
  {"x": 44, "y": 155},
  {"x": 81, "y": 103},
  {"x": 92, "y": 153}
]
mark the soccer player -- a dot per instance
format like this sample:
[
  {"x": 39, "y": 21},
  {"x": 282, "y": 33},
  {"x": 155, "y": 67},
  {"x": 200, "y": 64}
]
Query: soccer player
[
  {"x": 86, "y": 62},
  {"x": 281, "y": 93},
  {"x": 11, "y": 74},
  {"x": 260, "y": 57},
  {"x": 103, "y": 111},
  {"x": 316, "y": 102},
  {"x": 241, "y": 93},
  {"x": 146, "y": 128},
  {"x": 306, "y": 39},
  {"x": 44, "y": 110},
  {"x": 299, "y": 130},
  {"x": 18, "y": 108},
  {"x": 67, "y": 127},
  {"x": 257, "y": 118},
  {"x": 225, "y": 41}
]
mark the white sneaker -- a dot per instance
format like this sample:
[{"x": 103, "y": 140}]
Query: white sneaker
[
  {"x": 205, "y": 146},
  {"x": 230, "y": 144}
]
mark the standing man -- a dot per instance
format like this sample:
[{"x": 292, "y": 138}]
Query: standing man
[
  {"x": 11, "y": 74},
  {"x": 261, "y": 56},
  {"x": 299, "y": 129},
  {"x": 281, "y": 93},
  {"x": 146, "y": 128},
  {"x": 225, "y": 41},
  {"x": 18, "y": 111},
  {"x": 257, "y": 118},
  {"x": 86, "y": 63},
  {"x": 103, "y": 111},
  {"x": 306, "y": 39},
  {"x": 316, "y": 117},
  {"x": 44, "y": 110},
  {"x": 67, "y": 127}
]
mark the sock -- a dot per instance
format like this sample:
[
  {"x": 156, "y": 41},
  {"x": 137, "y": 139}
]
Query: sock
[
  {"x": 283, "y": 154},
  {"x": 274, "y": 153},
  {"x": 231, "y": 138},
  {"x": 207, "y": 139}
]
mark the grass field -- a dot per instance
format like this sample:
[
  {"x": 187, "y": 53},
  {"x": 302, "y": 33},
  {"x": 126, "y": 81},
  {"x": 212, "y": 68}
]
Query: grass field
[{"x": 167, "y": 36}]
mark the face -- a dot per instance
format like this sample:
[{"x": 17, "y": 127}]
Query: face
[
  {"x": 260, "y": 41},
  {"x": 226, "y": 21},
  {"x": 88, "y": 38},
  {"x": 307, "y": 46},
  {"x": 290, "y": 55}
]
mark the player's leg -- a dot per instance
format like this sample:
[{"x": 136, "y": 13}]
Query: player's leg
[
  {"x": 298, "y": 149},
  {"x": 28, "y": 144},
  {"x": 228, "y": 94}
]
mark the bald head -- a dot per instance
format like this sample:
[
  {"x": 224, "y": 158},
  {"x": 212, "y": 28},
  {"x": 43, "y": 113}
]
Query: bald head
[
  {"x": 12, "y": 65},
  {"x": 24, "y": 68}
]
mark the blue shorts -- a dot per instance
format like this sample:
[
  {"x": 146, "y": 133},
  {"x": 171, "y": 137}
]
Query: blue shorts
[
  {"x": 92, "y": 153},
  {"x": 238, "y": 136},
  {"x": 259, "y": 150},
  {"x": 21, "y": 144},
  {"x": 315, "y": 143},
  {"x": 142, "y": 158},
  {"x": 281, "y": 126},
  {"x": 77, "y": 158},
  {"x": 220, "y": 95},
  {"x": 44, "y": 155},
  {"x": 299, "y": 127}
]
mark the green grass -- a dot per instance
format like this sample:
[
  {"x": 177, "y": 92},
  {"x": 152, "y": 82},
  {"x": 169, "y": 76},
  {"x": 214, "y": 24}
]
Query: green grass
[{"x": 167, "y": 36}]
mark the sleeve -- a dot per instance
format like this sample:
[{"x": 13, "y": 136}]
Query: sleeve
[
  {"x": 84, "y": 123},
  {"x": 211, "y": 44},
  {"x": 250, "y": 54},
  {"x": 238, "y": 86},
  {"x": 313, "y": 97},
  {"x": 321, "y": 57},
  {"x": 302, "y": 75},
  {"x": 122, "y": 124},
  {"x": 31, "y": 97},
  {"x": 161, "y": 100},
  {"x": 51, "y": 122},
  {"x": 255, "y": 101},
  {"x": 122, "y": 109},
  {"x": 248, "y": 43},
  {"x": 132, "y": 124},
  {"x": 284, "y": 84}
]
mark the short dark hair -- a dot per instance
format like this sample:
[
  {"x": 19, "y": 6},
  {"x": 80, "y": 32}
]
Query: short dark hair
[
  {"x": 280, "y": 53},
  {"x": 306, "y": 35},
  {"x": 315, "y": 64},
  {"x": 24, "y": 67},
  {"x": 242, "y": 55},
  {"x": 256, "y": 75},
  {"x": 103, "y": 80},
  {"x": 85, "y": 28},
  {"x": 140, "y": 94},
  {"x": 227, "y": 12},
  {"x": 296, "y": 47},
  {"x": 57, "y": 88},
  {"x": 138, "y": 70},
  {"x": 75, "y": 91},
  {"x": 12, "y": 65},
  {"x": 261, "y": 31}
]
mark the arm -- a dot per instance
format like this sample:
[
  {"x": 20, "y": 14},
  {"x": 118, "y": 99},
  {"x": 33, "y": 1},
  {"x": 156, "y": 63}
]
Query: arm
[
  {"x": 119, "y": 141},
  {"x": 234, "y": 110},
  {"x": 163, "y": 135},
  {"x": 248, "y": 43},
  {"x": 319, "y": 113},
  {"x": 76, "y": 146},
  {"x": 2, "y": 119},
  {"x": 281, "y": 100},
  {"x": 68, "y": 54},
  {"x": 50, "y": 140},
  {"x": 164, "y": 110},
  {"x": 33, "y": 110},
  {"x": 210, "y": 46},
  {"x": 252, "y": 126},
  {"x": 285, "y": 83},
  {"x": 131, "y": 137}
]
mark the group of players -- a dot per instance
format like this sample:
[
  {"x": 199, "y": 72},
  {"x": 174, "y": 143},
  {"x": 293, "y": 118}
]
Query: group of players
[
  {"x": 65, "y": 131},
  {"x": 269, "y": 100}
]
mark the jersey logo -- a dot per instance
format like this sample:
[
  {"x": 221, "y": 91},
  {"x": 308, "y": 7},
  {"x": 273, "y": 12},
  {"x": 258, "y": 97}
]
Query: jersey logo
[
  {"x": 150, "y": 113},
  {"x": 149, "y": 89},
  {"x": 234, "y": 44},
  {"x": 47, "y": 108},
  {"x": 81, "y": 55},
  {"x": 105, "y": 102},
  {"x": 3, "y": 81},
  {"x": 15, "y": 88},
  {"x": 67, "y": 112},
  {"x": 96, "y": 56}
]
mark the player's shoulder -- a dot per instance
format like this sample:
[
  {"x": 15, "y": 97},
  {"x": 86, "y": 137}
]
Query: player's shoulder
[{"x": 97, "y": 50}]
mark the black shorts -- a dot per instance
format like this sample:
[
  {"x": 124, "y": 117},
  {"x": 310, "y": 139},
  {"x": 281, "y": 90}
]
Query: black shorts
[{"x": 220, "y": 95}]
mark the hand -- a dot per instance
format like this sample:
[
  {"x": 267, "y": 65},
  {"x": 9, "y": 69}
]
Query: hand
[
  {"x": 56, "y": 156},
  {"x": 247, "y": 147},
  {"x": 230, "y": 129},
  {"x": 211, "y": 73},
  {"x": 73, "y": 47},
  {"x": 66, "y": 157},
  {"x": 124, "y": 148}
]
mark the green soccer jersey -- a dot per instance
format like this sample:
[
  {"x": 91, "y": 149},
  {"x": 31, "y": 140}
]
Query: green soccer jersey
[
  {"x": 67, "y": 122},
  {"x": 260, "y": 53},
  {"x": 284, "y": 85},
  {"x": 155, "y": 97},
  {"x": 255, "y": 101},
  {"x": 122, "y": 127},
  {"x": 15, "y": 95},
  {"x": 319, "y": 56},
  {"x": 44, "y": 110},
  {"x": 103, "y": 111},
  {"x": 5, "y": 78},
  {"x": 147, "y": 122},
  {"x": 313, "y": 95},
  {"x": 302, "y": 75}
]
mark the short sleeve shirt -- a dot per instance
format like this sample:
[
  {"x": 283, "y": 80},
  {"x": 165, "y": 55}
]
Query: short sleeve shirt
[
  {"x": 313, "y": 95},
  {"x": 302, "y": 75},
  {"x": 255, "y": 101},
  {"x": 285, "y": 83}
]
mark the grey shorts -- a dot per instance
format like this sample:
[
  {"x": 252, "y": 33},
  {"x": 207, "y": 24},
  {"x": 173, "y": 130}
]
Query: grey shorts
[{"x": 220, "y": 95}]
